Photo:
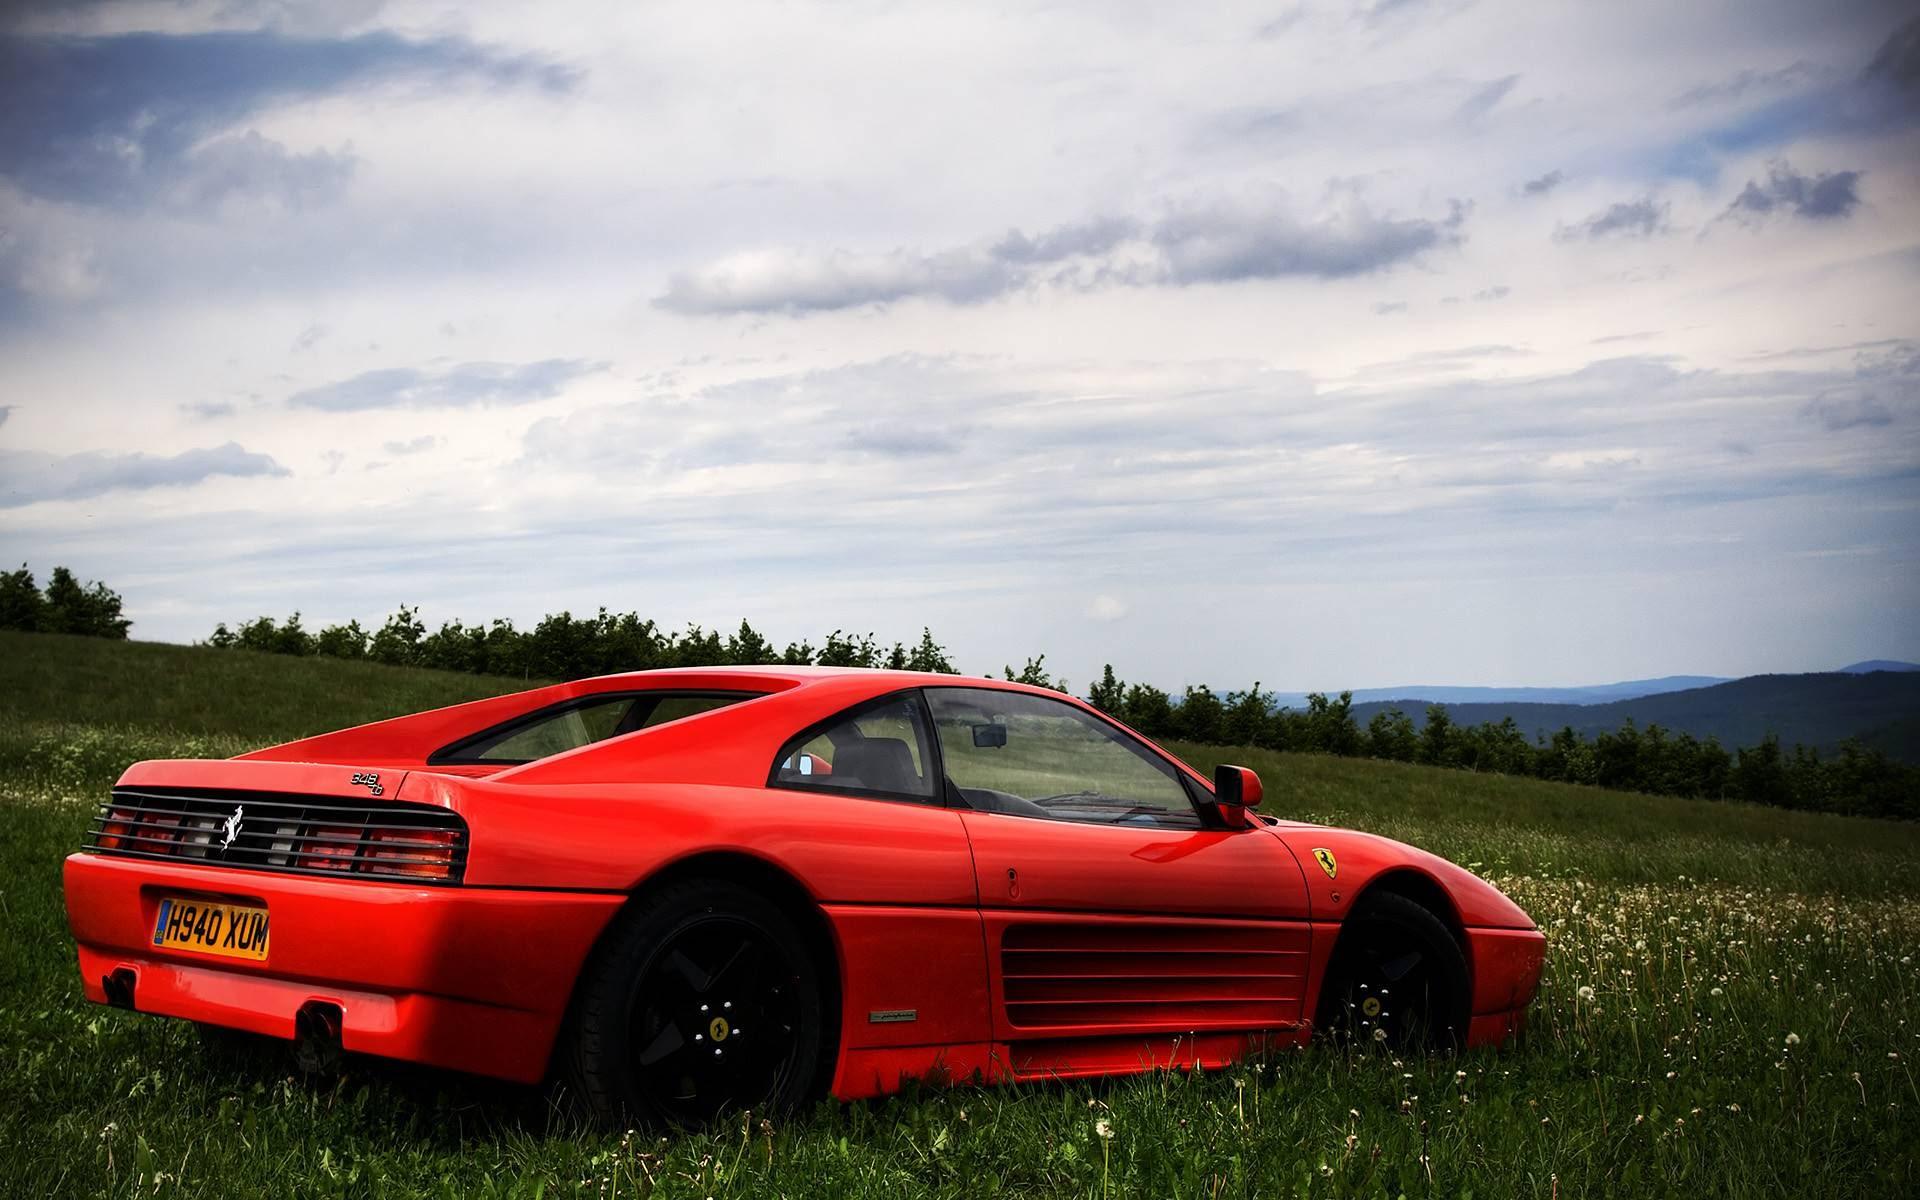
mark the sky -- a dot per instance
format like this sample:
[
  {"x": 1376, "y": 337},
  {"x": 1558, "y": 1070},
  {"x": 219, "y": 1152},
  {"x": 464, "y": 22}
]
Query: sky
[{"x": 1418, "y": 341}]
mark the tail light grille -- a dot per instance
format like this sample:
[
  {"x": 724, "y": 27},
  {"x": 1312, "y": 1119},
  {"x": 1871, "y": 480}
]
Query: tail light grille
[{"x": 308, "y": 835}]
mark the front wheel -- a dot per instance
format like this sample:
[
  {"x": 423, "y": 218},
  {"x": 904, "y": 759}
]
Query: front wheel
[
  {"x": 1397, "y": 978},
  {"x": 704, "y": 999}
]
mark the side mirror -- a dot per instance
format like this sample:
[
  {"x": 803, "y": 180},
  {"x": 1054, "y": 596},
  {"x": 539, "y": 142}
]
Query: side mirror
[
  {"x": 1236, "y": 787},
  {"x": 990, "y": 736}
]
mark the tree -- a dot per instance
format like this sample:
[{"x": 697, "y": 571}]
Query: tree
[
  {"x": 1244, "y": 720},
  {"x": 748, "y": 648},
  {"x": 19, "y": 600},
  {"x": 1035, "y": 673},
  {"x": 92, "y": 610},
  {"x": 1437, "y": 742},
  {"x": 1201, "y": 717},
  {"x": 1390, "y": 735},
  {"x": 1108, "y": 694},
  {"x": 929, "y": 655}
]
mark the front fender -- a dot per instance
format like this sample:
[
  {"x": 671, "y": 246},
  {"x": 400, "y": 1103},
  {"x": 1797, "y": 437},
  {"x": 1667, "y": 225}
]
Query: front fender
[{"x": 1359, "y": 860}]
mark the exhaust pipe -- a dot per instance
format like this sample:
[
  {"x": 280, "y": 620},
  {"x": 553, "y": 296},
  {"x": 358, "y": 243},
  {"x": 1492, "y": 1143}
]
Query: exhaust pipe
[
  {"x": 316, "y": 1037},
  {"x": 118, "y": 985}
]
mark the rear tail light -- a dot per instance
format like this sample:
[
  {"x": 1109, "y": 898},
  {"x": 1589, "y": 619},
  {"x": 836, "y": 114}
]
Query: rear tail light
[
  {"x": 427, "y": 853},
  {"x": 317, "y": 835},
  {"x": 331, "y": 848},
  {"x": 113, "y": 829}
]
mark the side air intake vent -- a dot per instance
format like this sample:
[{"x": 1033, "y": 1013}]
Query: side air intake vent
[{"x": 1188, "y": 977}]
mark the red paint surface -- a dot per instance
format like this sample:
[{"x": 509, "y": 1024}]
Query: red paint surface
[{"x": 1023, "y": 948}]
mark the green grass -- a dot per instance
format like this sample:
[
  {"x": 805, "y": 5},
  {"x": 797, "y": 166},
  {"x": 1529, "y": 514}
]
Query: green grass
[{"x": 1749, "y": 1029}]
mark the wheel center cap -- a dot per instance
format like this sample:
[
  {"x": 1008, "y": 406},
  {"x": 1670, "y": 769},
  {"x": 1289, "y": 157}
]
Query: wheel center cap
[
  {"x": 718, "y": 1029},
  {"x": 1370, "y": 1006}
]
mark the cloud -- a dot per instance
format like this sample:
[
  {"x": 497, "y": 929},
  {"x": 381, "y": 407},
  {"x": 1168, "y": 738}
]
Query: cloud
[
  {"x": 1224, "y": 243},
  {"x": 1851, "y": 406},
  {"x": 1216, "y": 242},
  {"x": 309, "y": 337},
  {"x": 1498, "y": 291},
  {"x": 1898, "y": 60},
  {"x": 1544, "y": 184},
  {"x": 1484, "y": 99},
  {"x": 425, "y": 441},
  {"x": 1743, "y": 83},
  {"x": 1388, "y": 307},
  {"x": 6, "y": 410},
  {"x": 208, "y": 410},
  {"x": 1106, "y": 608},
  {"x": 467, "y": 385},
  {"x": 127, "y": 119},
  {"x": 34, "y": 476},
  {"x": 1627, "y": 218},
  {"x": 1823, "y": 197}
]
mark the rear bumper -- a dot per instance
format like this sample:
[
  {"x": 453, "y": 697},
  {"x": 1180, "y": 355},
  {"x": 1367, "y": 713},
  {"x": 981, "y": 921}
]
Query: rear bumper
[
  {"x": 1506, "y": 974},
  {"x": 466, "y": 978}
]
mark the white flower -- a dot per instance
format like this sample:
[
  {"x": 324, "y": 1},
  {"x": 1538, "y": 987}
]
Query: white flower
[
  {"x": 1585, "y": 993},
  {"x": 1103, "y": 1129},
  {"x": 1379, "y": 1035},
  {"x": 1715, "y": 992},
  {"x": 1793, "y": 1039}
]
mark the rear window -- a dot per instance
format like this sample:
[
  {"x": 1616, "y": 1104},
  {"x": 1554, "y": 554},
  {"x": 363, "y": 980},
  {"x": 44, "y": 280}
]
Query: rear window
[{"x": 581, "y": 722}]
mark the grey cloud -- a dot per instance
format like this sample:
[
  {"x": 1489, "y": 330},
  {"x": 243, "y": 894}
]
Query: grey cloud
[
  {"x": 309, "y": 337},
  {"x": 425, "y": 441},
  {"x": 33, "y": 476},
  {"x": 6, "y": 410},
  {"x": 1849, "y": 407},
  {"x": 1544, "y": 184},
  {"x": 1898, "y": 59},
  {"x": 1387, "y": 307},
  {"x": 1628, "y": 218},
  {"x": 464, "y": 386},
  {"x": 123, "y": 119},
  {"x": 1485, "y": 99},
  {"x": 208, "y": 410},
  {"x": 1226, "y": 243},
  {"x": 1826, "y": 196},
  {"x": 1498, "y": 291},
  {"x": 1743, "y": 83},
  {"x": 904, "y": 441},
  {"x": 1212, "y": 243}
]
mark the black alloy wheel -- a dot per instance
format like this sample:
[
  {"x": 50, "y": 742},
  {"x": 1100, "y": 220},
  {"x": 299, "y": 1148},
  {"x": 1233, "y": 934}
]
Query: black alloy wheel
[
  {"x": 1397, "y": 979},
  {"x": 704, "y": 1000}
]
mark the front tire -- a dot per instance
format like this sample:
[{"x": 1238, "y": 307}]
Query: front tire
[
  {"x": 703, "y": 999},
  {"x": 1397, "y": 978}
]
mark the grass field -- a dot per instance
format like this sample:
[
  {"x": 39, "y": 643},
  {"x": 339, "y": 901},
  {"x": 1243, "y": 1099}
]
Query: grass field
[{"x": 1726, "y": 1012}]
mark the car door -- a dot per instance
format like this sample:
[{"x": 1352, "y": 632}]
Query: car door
[{"x": 1116, "y": 917}]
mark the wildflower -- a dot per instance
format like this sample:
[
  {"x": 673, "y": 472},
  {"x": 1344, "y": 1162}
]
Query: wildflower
[
  {"x": 1585, "y": 993},
  {"x": 1103, "y": 1129},
  {"x": 1379, "y": 1035},
  {"x": 1793, "y": 1039},
  {"x": 1715, "y": 992}
]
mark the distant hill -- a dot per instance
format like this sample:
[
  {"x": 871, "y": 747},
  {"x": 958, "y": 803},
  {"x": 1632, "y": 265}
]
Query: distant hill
[
  {"x": 1878, "y": 664},
  {"x": 1881, "y": 708},
  {"x": 1598, "y": 693}
]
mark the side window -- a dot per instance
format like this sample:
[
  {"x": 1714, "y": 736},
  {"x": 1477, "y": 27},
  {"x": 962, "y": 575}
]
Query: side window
[
  {"x": 568, "y": 729},
  {"x": 881, "y": 749},
  {"x": 1009, "y": 752},
  {"x": 573, "y": 724}
]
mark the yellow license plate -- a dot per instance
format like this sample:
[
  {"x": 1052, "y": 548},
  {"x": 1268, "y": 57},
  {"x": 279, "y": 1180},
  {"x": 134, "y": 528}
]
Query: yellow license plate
[{"x": 210, "y": 927}]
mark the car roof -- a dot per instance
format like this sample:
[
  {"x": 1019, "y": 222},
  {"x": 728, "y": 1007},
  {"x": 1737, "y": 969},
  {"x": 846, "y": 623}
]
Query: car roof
[{"x": 879, "y": 678}]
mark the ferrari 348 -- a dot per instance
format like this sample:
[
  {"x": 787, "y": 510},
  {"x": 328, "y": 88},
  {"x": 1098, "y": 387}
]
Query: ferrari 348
[{"x": 683, "y": 891}]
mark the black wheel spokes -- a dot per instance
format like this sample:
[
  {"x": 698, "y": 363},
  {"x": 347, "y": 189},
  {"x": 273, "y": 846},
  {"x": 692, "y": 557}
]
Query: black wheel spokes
[
  {"x": 712, "y": 1022},
  {"x": 1387, "y": 996}
]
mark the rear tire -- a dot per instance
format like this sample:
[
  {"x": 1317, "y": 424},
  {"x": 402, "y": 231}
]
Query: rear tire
[
  {"x": 1397, "y": 978},
  {"x": 703, "y": 999}
]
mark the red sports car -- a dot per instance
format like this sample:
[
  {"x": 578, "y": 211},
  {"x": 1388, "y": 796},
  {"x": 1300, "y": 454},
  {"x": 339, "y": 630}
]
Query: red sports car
[{"x": 681, "y": 891}]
